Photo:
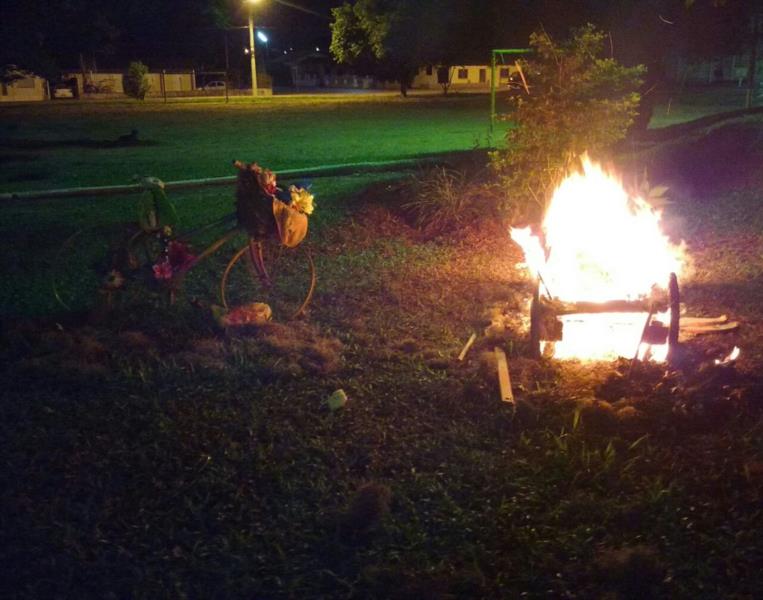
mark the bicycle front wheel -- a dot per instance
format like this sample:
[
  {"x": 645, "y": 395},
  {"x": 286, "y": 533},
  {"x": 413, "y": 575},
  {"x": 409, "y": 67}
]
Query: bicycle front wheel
[{"x": 267, "y": 271}]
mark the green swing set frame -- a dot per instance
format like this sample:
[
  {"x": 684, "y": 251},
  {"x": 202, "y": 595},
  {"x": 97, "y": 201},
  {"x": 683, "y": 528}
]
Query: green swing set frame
[{"x": 496, "y": 53}]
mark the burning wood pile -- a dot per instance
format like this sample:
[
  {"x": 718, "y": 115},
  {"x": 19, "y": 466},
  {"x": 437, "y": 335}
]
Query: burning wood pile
[{"x": 606, "y": 275}]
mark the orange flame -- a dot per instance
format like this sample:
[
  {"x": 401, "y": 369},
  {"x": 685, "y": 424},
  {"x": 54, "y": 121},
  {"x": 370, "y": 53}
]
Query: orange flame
[{"x": 603, "y": 244}]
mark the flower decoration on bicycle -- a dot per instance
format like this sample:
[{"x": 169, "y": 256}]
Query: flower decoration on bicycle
[
  {"x": 264, "y": 210},
  {"x": 177, "y": 260}
]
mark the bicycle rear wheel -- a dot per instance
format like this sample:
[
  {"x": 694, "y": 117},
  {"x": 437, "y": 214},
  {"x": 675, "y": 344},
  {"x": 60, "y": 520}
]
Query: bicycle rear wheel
[
  {"x": 267, "y": 271},
  {"x": 96, "y": 262}
]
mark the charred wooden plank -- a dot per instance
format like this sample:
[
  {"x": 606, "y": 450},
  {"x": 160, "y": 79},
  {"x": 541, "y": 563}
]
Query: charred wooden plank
[
  {"x": 710, "y": 328},
  {"x": 535, "y": 319},
  {"x": 702, "y": 321}
]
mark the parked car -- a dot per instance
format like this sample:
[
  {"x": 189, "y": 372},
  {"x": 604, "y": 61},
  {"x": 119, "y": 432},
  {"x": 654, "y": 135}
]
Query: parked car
[
  {"x": 214, "y": 86},
  {"x": 66, "y": 88},
  {"x": 63, "y": 92}
]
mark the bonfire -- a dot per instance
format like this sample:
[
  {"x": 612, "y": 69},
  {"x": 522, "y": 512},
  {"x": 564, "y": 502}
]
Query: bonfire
[{"x": 603, "y": 265}]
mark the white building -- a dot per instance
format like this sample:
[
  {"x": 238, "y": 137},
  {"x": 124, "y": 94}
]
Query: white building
[
  {"x": 462, "y": 76},
  {"x": 106, "y": 83},
  {"x": 28, "y": 89}
]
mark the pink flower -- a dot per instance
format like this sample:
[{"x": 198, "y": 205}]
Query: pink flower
[
  {"x": 177, "y": 259},
  {"x": 163, "y": 270}
]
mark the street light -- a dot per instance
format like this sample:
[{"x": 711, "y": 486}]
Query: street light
[
  {"x": 252, "y": 59},
  {"x": 265, "y": 40}
]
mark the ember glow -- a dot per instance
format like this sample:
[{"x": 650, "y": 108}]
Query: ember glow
[{"x": 603, "y": 245}]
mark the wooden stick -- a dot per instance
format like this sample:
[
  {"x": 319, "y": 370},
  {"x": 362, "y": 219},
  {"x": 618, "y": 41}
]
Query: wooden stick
[
  {"x": 548, "y": 292},
  {"x": 522, "y": 75},
  {"x": 466, "y": 347},
  {"x": 503, "y": 375}
]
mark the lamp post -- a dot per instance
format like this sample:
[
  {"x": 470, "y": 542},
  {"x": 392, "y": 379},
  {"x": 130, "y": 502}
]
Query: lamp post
[{"x": 252, "y": 59}]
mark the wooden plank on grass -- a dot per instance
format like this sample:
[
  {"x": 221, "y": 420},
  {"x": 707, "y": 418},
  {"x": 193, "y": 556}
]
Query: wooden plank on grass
[
  {"x": 504, "y": 381},
  {"x": 695, "y": 321},
  {"x": 710, "y": 328}
]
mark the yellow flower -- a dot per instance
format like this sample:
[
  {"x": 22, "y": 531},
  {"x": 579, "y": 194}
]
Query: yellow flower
[{"x": 301, "y": 199}]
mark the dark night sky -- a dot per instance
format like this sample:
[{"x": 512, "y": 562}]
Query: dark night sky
[
  {"x": 291, "y": 26},
  {"x": 44, "y": 35},
  {"x": 167, "y": 33}
]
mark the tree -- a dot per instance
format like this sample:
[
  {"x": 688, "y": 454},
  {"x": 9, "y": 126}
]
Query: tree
[
  {"x": 11, "y": 73},
  {"x": 394, "y": 38},
  {"x": 649, "y": 33},
  {"x": 580, "y": 102},
  {"x": 696, "y": 30},
  {"x": 136, "y": 81},
  {"x": 391, "y": 38}
]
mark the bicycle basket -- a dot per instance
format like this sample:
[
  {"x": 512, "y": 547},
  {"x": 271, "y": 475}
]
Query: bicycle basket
[{"x": 291, "y": 224}]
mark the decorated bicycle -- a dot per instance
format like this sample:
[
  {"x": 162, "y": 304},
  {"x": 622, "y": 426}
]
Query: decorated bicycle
[{"x": 272, "y": 272}]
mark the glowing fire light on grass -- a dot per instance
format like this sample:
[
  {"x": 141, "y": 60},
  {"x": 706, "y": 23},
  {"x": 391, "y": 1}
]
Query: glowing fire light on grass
[{"x": 602, "y": 245}]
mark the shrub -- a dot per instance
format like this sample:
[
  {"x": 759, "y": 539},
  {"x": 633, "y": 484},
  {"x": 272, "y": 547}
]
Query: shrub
[
  {"x": 578, "y": 102},
  {"x": 136, "y": 81}
]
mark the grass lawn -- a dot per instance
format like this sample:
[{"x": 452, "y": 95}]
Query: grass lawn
[
  {"x": 149, "y": 454},
  {"x": 54, "y": 145},
  {"x": 72, "y": 144}
]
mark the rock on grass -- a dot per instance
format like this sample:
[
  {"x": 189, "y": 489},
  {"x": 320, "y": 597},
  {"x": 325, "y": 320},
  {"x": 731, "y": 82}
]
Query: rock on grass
[{"x": 367, "y": 508}]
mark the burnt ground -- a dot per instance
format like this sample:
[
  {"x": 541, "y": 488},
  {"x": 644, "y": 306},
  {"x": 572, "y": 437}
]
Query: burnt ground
[{"x": 150, "y": 454}]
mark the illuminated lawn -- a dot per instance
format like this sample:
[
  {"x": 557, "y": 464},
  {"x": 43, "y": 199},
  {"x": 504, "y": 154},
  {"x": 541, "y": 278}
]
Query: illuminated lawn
[{"x": 55, "y": 145}]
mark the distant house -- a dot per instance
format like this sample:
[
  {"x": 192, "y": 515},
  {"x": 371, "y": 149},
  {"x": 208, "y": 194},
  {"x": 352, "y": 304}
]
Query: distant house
[
  {"x": 27, "y": 89},
  {"x": 462, "y": 76}
]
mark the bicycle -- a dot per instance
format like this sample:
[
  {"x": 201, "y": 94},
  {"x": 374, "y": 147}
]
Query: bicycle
[{"x": 273, "y": 266}]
